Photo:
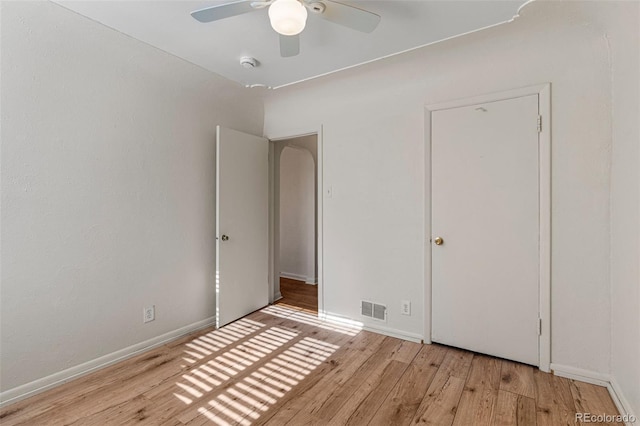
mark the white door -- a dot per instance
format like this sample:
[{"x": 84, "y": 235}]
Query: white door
[
  {"x": 242, "y": 224},
  {"x": 485, "y": 207}
]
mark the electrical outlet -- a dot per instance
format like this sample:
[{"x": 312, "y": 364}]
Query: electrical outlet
[
  {"x": 405, "y": 307},
  {"x": 149, "y": 314}
]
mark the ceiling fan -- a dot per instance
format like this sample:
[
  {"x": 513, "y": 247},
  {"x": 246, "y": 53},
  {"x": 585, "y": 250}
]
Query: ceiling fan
[{"x": 289, "y": 17}]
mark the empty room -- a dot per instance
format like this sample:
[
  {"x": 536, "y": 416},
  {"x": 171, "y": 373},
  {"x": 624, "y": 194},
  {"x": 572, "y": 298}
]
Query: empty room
[{"x": 301, "y": 212}]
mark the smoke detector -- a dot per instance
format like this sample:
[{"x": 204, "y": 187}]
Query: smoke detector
[{"x": 248, "y": 62}]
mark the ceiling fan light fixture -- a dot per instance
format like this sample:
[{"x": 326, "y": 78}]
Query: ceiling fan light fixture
[{"x": 288, "y": 17}]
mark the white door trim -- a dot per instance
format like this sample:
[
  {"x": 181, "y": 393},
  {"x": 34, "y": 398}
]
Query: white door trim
[
  {"x": 274, "y": 274},
  {"x": 544, "y": 151}
]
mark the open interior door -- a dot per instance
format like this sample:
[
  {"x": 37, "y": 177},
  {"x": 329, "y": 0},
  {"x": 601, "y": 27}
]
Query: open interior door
[{"x": 242, "y": 224}]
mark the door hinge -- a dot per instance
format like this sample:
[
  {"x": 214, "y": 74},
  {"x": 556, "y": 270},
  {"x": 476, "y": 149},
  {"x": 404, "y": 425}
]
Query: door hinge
[
  {"x": 539, "y": 123},
  {"x": 539, "y": 326}
]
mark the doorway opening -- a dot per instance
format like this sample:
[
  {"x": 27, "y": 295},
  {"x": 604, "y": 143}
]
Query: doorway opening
[{"x": 296, "y": 222}]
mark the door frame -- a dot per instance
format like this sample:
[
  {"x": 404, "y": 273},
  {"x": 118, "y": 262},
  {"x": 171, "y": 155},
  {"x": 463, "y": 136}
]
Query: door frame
[
  {"x": 274, "y": 275},
  {"x": 544, "y": 179}
]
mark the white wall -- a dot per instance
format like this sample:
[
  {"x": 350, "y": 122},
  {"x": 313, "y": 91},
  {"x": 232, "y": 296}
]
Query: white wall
[
  {"x": 108, "y": 186},
  {"x": 297, "y": 215},
  {"x": 374, "y": 160},
  {"x": 622, "y": 30}
]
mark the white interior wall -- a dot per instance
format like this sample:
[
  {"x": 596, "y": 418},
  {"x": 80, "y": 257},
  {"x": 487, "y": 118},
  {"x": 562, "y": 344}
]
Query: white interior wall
[
  {"x": 621, "y": 27},
  {"x": 297, "y": 215},
  {"x": 108, "y": 191},
  {"x": 374, "y": 161}
]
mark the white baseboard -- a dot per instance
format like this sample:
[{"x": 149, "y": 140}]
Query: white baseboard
[
  {"x": 293, "y": 276},
  {"x": 40, "y": 385},
  {"x": 579, "y": 374},
  {"x": 277, "y": 296},
  {"x": 606, "y": 380},
  {"x": 392, "y": 332},
  {"x": 380, "y": 329},
  {"x": 298, "y": 277},
  {"x": 621, "y": 402}
]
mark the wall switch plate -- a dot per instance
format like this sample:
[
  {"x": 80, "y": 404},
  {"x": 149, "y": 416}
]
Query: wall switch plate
[
  {"x": 405, "y": 307},
  {"x": 149, "y": 314}
]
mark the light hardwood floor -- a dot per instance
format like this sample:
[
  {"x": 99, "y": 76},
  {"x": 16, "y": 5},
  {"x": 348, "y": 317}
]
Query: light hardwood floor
[
  {"x": 281, "y": 365},
  {"x": 298, "y": 294}
]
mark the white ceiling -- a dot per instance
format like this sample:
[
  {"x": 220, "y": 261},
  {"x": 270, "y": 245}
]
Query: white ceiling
[{"x": 325, "y": 47}]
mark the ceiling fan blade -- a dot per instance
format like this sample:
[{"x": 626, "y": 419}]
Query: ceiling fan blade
[
  {"x": 289, "y": 45},
  {"x": 223, "y": 11},
  {"x": 350, "y": 17}
]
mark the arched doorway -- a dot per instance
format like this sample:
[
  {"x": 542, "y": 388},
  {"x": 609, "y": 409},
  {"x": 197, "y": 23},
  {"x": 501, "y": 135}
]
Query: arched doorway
[{"x": 297, "y": 223}]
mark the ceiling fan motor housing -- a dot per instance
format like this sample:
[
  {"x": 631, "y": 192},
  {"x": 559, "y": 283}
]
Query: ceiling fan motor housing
[{"x": 316, "y": 7}]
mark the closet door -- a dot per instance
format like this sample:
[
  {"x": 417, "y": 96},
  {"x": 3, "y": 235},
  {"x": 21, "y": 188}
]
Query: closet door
[{"x": 485, "y": 228}]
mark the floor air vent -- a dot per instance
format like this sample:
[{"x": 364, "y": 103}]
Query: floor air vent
[{"x": 373, "y": 310}]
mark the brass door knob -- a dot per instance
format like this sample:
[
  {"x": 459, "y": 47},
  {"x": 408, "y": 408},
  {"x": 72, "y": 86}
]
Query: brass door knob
[
  {"x": 438, "y": 240},
  {"x": 225, "y": 238}
]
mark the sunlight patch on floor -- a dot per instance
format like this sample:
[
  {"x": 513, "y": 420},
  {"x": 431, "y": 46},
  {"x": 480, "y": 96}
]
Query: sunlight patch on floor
[
  {"x": 253, "y": 369},
  {"x": 310, "y": 319}
]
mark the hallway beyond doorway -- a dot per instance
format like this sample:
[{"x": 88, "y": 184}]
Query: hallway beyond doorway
[{"x": 297, "y": 293}]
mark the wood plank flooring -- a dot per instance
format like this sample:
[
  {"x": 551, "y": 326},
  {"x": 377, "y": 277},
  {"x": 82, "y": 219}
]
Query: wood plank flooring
[
  {"x": 297, "y": 294},
  {"x": 281, "y": 365}
]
